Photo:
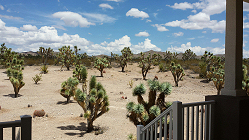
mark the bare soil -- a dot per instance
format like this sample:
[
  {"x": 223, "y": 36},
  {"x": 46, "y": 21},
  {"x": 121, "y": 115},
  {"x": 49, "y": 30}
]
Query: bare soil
[{"x": 64, "y": 121}]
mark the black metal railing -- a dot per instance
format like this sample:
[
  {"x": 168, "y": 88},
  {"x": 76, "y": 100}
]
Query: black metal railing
[{"x": 26, "y": 127}]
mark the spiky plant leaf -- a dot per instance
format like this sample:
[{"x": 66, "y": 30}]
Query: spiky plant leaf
[
  {"x": 139, "y": 90},
  {"x": 155, "y": 110},
  {"x": 138, "y": 109}
]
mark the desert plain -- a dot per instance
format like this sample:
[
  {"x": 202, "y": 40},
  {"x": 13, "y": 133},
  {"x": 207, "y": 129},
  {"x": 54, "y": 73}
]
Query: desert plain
[{"x": 63, "y": 120}]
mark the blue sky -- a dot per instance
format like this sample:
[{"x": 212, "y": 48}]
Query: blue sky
[{"x": 105, "y": 26}]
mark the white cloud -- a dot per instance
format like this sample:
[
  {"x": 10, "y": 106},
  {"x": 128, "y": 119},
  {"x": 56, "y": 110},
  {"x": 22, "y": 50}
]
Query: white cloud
[
  {"x": 1, "y": 7},
  {"x": 28, "y": 28},
  {"x": 10, "y": 17},
  {"x": 144, "y": 46},
  {"x": 178, "y": 34},
  {"x": 196, "y": 49},
  {"x": 48, "y": 37},
  {"x": 115, "y": 0},
  {"x": 194, "y": 11},
  {"x": 155, "y": 14},
  {"x": 147, "y": 20},
  {"x": 72, "y": 19},
  {"x": 134, "y": 12},
  {"x": 143, "y": 34},
  {"x": 215, "y": 40},
  {"x": 102, "y": 18},
  {"x": 182, "y": 6},
  {"x": 200, "y": 17},
  {"x": 160, "y": 27},
  {"x": 204, "y": 32},
  {"x": 59, "y": 27},
  {"x": 105, "y": 6}
]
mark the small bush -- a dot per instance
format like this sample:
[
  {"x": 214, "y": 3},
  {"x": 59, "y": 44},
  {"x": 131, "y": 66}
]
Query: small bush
[
  {"x": 37, "y": 78},
  {"x": 44, "y": 69}
]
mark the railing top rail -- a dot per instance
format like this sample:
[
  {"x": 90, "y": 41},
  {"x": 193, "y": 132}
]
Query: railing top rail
[
  {"x": 157, "y": 118},
  {"x": 16, "y": 123},
  {"x": 198, "y": 103}
]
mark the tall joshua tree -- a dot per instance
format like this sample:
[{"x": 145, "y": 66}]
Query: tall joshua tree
[
  {"x": 66, "y": 56},
  {"x": 144, "y": 112},
  {"x": 94, "y": 104},
  {"x": 45, "y": 53},
  {"x": 177, "y": 72},
  {"x": 125, "y": 57},
  {"x": 100, "y": 64},
  {"x": 188, "y": 55},
  {"x": 14, "y": 72},
  {"x": 6, "y": 55},
  {"x": 146, "y": 63}
]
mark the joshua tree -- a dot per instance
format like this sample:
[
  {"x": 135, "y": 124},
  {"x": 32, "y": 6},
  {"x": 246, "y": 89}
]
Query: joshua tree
[
  {"x": 94, "y": 104},
  {"x": 188, "y": 55},
  {"x": 6, "y": 55},
  {"x": 125, "y": 57},
  {"x": 14, "y": 72},
  {"x": 68, "y": 88},
  {"x": 66, "y": 56},
  {"x": 177, "y": 72},
  {"x": 80, "y": 73},
  {"x": 167, "y": 56},
  {"x": 158, "y": 58},
  {"x": 144, "y": 112},
  {"x": 100, "y": 64},
  {"x": 146, "y": 63},
  {"x": 45, "y": 53},
  {"x": 218, "y": 79},
  {"x": 245, "y": 82}
]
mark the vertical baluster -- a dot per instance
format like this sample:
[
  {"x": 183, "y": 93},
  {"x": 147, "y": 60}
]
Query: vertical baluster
[
  {"x": 156, "y": 130},
  {"x": 202, "y": 111},
  {"x": 192, "y": 123},
  {"x": 210, "y": 113},
  {"x": 197, "y": 122},
  {"x": 160, "y": 129},
  {"x": 183, "y": 123},
  {"x": 151, "y": 132},
  {"x": 165, "y": 127},
  {"x": 187, "y": 130},
  {"x": 1, "y": 133},
  {"x": 147, "y": 134},
  {"x": 206, "y": 122},
  {"x": 13, "y": 132},
  {"x": 170, "y": 125}
]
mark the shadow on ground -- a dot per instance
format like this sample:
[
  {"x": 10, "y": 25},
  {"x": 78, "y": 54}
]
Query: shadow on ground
[
  {"x": 12, "y": 95},
  {"x": 64, "y": 102},
  {"x": 82, "y": 128}
]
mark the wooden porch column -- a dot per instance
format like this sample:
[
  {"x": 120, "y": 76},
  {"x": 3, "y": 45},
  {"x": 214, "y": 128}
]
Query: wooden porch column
[{"x": 233, "y": 49}]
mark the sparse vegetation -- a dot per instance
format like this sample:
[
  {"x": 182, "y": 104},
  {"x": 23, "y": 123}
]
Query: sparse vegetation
[
  {"x": 45, "y": 54},
  {"x": 124, "y": 58},
  {"x": 188, "y": 55},
  {"x": 37, "y": 78},
  {"x": 44, "y": 69},
  {"x": 146, "y": 63},
  {"x": 131, "y": 83},
  {"x": 69, "y": 87},
  {"x": 66, "y": 57}
]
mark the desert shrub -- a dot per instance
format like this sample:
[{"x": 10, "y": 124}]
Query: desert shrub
[
  {"x": 144, "y": 112},
  {"x": 100, "y": 64},
  {"x": 131, "y": 137},
  {"x": 44, "y": 69},
  {"x": 45, "y": 54},
  {"x": 203, "y": 69},
  {"x": 131, "y": 83},
  {"x": 37, "y": 78}
]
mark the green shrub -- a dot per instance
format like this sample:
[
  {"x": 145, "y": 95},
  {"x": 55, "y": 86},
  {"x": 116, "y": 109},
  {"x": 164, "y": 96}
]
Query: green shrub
[{"x": 37, "y": 78}]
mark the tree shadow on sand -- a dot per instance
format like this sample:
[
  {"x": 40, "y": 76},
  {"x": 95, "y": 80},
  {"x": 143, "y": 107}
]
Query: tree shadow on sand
[
  {"x": 64, "y": 102},
  {"x": 204, "y": 81},
  {"x": 82, "y": 128},
  {"x": 12, "y": 95}
]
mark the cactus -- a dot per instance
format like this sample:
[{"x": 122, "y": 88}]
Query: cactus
[
  {"x": 80, "y": 73},
  {"x": 125, "y": 57},
  {"x": 146, "y": 63},
  {"x": 69, "y": 87},
  {"x": 66, "y": 56},
  {"x": 14, "y": 72},
  {"x": 144, "y": 112},
  {"x": 188, "y": 55},
  {"x": 37, "y": 78},
  {"x": 94, "y": 104},
  {"x": 45, "y": 53},
  {"x": 100, "y": 64},
  {"x": 177, "y": 72}
]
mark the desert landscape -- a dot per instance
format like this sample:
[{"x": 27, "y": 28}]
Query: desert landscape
[{"x": 63, "y": 120}]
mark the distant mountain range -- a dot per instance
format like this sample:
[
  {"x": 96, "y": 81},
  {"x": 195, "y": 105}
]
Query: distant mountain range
[{"x": 134, "y": 55}]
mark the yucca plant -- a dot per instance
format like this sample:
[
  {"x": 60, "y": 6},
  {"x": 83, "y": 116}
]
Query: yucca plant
[
  {"x": 69, "y": 87},
  {"x": 37, "y": 78},
  {"x": 44, "y": 69}
]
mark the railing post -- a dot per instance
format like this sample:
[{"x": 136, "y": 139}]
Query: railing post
[
  {"x": 139, "y": 128},
  {"x": 1, "y": 133},
  {"x": 177, "y": 120},
  {"x": 26, "y": 127}
]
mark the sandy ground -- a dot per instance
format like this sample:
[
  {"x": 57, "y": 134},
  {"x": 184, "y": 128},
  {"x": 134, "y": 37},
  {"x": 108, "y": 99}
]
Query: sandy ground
[{"x": 64, "y": 121}]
